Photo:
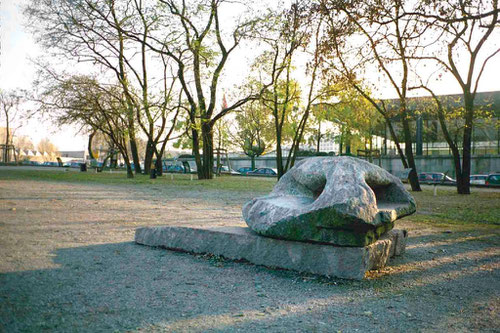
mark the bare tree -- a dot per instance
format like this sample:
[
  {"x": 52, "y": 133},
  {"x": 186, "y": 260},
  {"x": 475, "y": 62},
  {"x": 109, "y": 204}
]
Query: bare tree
[
  {"x": 100, "y": 33},
  {"x": 292, "y": 31},
  {"x": 9, "y": 104},
  {"x": 200, "y": 50},
  {"x": 374, "y": 35},
  {"x": 23, "y": 142},
  {"x": 83, "y": 101},
  {"x": 464, "y": 28},
  {"x": 154, "y": 112},
  {"x": 313, "y": 94},
  {"x": 45, "y": 146}
]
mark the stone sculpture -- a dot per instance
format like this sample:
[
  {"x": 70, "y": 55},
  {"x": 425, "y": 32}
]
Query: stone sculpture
[{"x": 334, "y": 200}]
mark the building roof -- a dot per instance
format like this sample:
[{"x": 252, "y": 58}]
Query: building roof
[{"x": 489, "y": 101}]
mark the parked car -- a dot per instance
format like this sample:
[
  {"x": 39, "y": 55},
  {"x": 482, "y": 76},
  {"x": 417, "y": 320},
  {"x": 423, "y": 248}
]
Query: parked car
[
  {"x": 226, "y": 170},
  {"x": 493, "y": 179},
  {"x": 28, "y": 162},
  {"x": 435, "y": 178},
  {"x": 244, "y": 170},
  {"x": 52, "y": 164},
  {"x": 263, "y": 172},
  {"x": 478, "y": 179},
  {"x": 174, "y": 168},
  {"x": 72, "y": 164}
]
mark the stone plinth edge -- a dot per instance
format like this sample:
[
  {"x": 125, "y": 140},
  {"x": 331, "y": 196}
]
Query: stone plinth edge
[{"x": 241, "y": 243}]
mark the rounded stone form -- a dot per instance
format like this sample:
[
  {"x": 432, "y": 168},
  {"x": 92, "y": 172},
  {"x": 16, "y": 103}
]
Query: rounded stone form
[{"x": 340, "y": 200}]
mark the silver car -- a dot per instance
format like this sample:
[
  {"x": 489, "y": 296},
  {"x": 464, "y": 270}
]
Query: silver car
[{"x": 478, "y": 179}]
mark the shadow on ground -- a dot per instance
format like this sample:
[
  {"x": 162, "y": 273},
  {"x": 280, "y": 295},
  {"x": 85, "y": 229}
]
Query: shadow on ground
[{"x": 124, "y": 286}]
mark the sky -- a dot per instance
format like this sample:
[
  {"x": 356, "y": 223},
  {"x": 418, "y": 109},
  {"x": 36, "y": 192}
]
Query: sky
[{"x": 18, "y": 72}]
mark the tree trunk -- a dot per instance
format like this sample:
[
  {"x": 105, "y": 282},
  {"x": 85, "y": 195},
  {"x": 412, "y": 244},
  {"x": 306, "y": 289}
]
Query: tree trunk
[
  {"x": 348, "y": 143},
  {"x": 394, "y": 137},
  {"x": 196, "y": 151},
  {"x": 279, "y": 157},
  {"x": 252, "y": 159},
  {"x": 130, "y": 174},
  {"x": 91, "y": 153},
  {"x": 159, "y": 162},
  {"x": 158, "y": 166},
  {"x": 114, "y": 160},
  {"x": 413, "y": 176},
  {"x": 124, "y": 153},
  {"x": 463, "y": 180},
  {"x": 135, "y": 154},
  {"x": 6, "y": 151},
  {"x": 341, "y": 143},
  {"x": 370, "y": 144},
  {"x": 455, "y": 152},
  {"x": 106, "y": 160},
  {"x": 318, "y": 142},
  {"x": 385, "y": 139},
  {"x": 148, "y": 158},
  {"x": 206, "y": 171},
  {"x": 458, "y": 168},
  {"x": 219, "y": 165}
]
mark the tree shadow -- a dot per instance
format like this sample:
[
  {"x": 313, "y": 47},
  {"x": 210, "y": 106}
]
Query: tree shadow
[
  {"x": 436, "y": 246},
  {"x": 124, "y": 286}
]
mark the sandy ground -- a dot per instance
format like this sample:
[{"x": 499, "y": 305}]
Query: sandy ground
[{"x": 68, "y": 263}]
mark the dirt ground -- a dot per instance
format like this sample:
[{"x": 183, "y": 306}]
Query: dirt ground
[{"x": 68, "y": 263}]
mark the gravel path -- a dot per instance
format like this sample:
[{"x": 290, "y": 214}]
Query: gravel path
[{"x": 68, "y": 263}]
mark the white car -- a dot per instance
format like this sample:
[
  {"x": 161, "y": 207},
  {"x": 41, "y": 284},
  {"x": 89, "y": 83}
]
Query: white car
[{"x": 478, "y": 179}]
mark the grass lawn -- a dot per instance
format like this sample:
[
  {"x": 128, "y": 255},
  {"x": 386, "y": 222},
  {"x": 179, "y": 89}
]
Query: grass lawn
[
  {"x": 229, "y": 183},
  {"x": 479, "y": 210}
]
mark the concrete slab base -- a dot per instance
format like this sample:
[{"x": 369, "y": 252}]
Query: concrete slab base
[{"x": 241, "y": 243}]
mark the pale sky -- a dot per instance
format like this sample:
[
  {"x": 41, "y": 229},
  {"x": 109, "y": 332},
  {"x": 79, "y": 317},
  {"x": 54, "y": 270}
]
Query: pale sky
[{"x": 17, "y": 71}]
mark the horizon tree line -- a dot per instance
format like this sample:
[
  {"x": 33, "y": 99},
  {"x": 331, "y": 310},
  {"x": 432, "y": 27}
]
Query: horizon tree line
[{"x": 165, "y": 60}]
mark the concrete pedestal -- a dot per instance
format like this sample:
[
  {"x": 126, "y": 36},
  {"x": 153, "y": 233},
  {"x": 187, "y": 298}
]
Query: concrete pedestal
[{"x": 241, "y": 243}]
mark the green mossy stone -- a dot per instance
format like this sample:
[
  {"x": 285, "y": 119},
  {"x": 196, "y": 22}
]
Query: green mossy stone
[
  {"x": 332, "y": 200},
  {"x": 328, "y": 227}
]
